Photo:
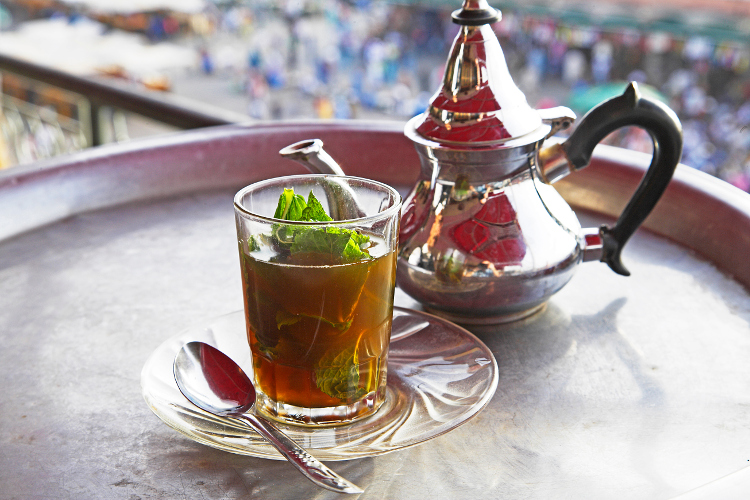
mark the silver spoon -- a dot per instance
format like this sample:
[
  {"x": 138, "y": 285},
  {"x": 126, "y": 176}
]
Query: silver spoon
[{"x": 210, "y": 380}]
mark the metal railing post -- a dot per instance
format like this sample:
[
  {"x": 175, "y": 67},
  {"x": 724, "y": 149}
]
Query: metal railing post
[{"x": 96, "y": 129}]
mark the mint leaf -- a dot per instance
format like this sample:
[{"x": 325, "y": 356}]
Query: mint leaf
[
  {"x": 352, "y": 252},
  {"x": 290, "y": 206},
  {"x": 285, "y": 201},
  {"x": 362, "y": 240},
  {"x": 269, "y": 352},
  {"x": 293, "y": 207},
  {"x": 284, "y": 318},
  {"x": 342, "y": 245},
  {"x": 326, "y": 240},
  {"x": 314, "y": 210},
  {"x": 338, "y": 375},
  {"x": 355, "y": 248},
  {"x": 252, "y": 244}
]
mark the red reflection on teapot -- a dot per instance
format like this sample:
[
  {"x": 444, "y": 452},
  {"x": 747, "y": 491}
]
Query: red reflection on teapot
[
  {"x": 469, "y": 91},
  {"x": 416, "y": 210},
  {"x": 493, "y": 234},
  {"x": 489, "y": 129}
]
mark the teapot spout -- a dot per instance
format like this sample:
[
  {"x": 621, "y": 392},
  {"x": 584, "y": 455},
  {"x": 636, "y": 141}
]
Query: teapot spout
[
  {"x": 342, "y": 202},
  {"x": 310, "y": 153}
]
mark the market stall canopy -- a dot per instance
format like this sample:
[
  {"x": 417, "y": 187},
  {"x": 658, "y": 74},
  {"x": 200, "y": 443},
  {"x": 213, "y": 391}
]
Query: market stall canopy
[{"x": 613, "y": 16}]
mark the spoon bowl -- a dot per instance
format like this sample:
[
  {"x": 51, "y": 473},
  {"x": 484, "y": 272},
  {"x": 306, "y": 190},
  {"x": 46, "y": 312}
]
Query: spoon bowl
[
  {"x": 210, "y": 380},
  {"x": 213, "y": 382}
]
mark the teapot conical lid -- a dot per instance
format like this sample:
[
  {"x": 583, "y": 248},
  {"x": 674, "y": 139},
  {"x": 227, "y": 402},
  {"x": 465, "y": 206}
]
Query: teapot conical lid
[{"x": 478, "y": 103}]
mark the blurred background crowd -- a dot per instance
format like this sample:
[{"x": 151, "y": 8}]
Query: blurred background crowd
[{"x": 368, "y": 59}]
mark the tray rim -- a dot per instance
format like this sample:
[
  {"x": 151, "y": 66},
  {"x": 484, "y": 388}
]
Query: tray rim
[{"x": 176, "y": 164}]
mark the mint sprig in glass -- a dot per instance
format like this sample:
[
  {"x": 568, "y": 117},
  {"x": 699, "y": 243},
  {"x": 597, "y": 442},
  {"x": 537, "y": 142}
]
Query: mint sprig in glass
[{"x": 342, "y": 245}]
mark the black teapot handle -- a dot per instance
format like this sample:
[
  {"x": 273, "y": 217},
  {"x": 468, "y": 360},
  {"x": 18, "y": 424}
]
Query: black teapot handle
[{"x": 662, "y": 123}]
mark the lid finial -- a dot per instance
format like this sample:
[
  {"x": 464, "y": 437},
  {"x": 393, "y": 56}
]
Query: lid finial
[{"x": 476, "y": 13}]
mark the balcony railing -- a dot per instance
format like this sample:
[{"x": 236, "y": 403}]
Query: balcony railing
[{"x": 55, "y": 112}]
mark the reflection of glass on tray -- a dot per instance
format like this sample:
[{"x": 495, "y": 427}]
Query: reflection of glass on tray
[{"x": 318, "y": 295}]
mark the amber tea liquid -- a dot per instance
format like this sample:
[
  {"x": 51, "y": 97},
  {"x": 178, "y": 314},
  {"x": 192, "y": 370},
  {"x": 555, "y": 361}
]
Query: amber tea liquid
[{"x": 319, "y": 335}]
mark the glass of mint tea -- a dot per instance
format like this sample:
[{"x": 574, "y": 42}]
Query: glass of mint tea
[{"x": 318, "y": 260}]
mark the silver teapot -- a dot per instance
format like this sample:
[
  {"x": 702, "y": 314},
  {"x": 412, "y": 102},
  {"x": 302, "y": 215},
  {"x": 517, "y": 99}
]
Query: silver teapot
[{"x": 484, "y": 236}]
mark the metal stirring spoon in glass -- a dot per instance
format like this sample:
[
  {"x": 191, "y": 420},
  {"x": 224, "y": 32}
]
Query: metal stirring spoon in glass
[{"x": 210, "y": 380}]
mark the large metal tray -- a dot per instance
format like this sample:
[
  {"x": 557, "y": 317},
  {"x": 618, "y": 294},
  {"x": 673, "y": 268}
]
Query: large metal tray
[{"x": 632, "y": 387}]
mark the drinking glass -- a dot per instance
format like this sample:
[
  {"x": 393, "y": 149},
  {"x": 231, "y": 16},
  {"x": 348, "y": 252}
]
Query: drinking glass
[{"x": 318, "y": 295}]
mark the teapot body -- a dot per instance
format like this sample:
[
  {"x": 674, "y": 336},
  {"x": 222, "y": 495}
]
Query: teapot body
[
  {"x": 484, "y": 236},
  {"x": 483, "y": 239}
]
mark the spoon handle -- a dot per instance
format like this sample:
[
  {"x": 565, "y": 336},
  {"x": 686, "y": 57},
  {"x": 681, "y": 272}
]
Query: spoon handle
[{"x": 310, "y": 466}]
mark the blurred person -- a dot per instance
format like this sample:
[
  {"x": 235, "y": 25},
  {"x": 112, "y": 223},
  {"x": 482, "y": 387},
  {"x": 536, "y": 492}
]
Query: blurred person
[
  {"x": 201, "y": 24},
  {"x": 257, "y": 94},
  {"x": 536, "y": 68},
  {"x": 574, "y": 67},
  {"x": 601, "y": 61},
  {"x": 556, "y": 52},
  {"x": 342, "y": 107},
  {"x": 654, "y": 59},
  {"x": 678, "y": 82},
  {"x": 232, "y": 20},
  {"x": 170, "y": 25},
  {"x": 392, "y": 56},
  {"x": 723, "y": 124},
  {"x": 324, "y": 107},
  {"x": 155, "y": 29},
  {"x": 697, "y": 149},
  {"x": 374, "y": 57},
  {"x": 275, "y": 69},
  {"x": 206, "y": 61},
  {"x": 743, "y": 116},
  {"x": 695, "y": 101}
]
